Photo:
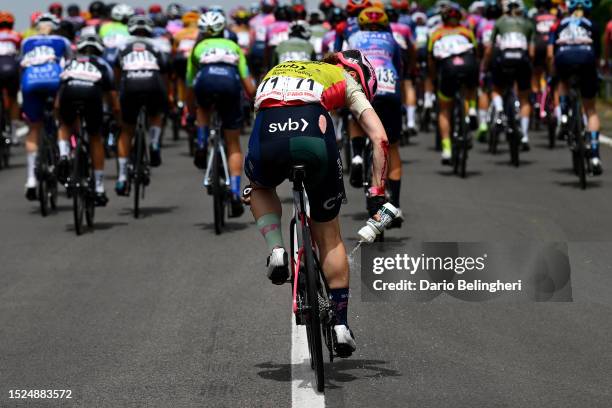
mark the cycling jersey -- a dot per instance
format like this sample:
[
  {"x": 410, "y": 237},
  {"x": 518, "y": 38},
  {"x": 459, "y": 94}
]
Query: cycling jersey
[
  {"x": 174, "y": 26},
  {"x": 318, "y": 32},
  {"x": 243, "y": 37},
  {"x": 42, "y": 59},
  {"x": 406, "y": 20},
  {"x": 327, "y": 45},
  {"x": 384, "y": 54},
  {"x": 10, "y": 41},
  {"x": 446, "y": 42},
  {"x": 142, "y": 67},
  {"x": 277, "y": 33},
  {"x": 84, "y": 81},
  {"x": 513, "y": 34},
  {"x": 183, "y": 43},
  {"x": 343, "y": 31},
  {"x": 310, "y": 82},
  {"x": 402, "y": 35},
  {"x": 216, "y": 51},
  {"x": 484, "y": 31},
  {"x": 259, "y": 33},
  {"x": 544, "y": 22},
  {"x": 294, "y": 49},
  {"x": 114, "y": 35}
]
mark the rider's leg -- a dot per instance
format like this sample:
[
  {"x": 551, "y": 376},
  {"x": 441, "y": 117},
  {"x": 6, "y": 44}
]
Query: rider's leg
[
  {"x": 483, "y": 111},
  {"x": 409, "y": 99},
  {"x": 593, "y": 126},
  {"x": 234, "y": 157},
  {"x": 203, "y": 119},
  {"x": 394, "y": 178},
  {"x": 358, "y": 143},
  {"x": 444, "y": 118},
  {"x": 155, "y": 130},
  {"x": 525, "y": 114},
  {"x": 32, "y": 152},
  {"x": 123, "y": 150}
]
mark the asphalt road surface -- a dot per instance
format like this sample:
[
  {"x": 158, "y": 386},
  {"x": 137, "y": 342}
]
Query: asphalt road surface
[{"x": 160, "y": 312}]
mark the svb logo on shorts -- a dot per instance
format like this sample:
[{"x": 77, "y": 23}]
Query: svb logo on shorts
[{"x": 290, "y": 125}]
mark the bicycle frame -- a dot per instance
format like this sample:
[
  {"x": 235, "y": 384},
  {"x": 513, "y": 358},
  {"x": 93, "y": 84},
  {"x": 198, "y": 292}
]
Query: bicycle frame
[{"x": 217, "y": 141}]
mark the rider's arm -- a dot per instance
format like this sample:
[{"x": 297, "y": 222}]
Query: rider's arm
[
  {"x": 369, "y": 121},
  {"x": 243, "y": 69}
]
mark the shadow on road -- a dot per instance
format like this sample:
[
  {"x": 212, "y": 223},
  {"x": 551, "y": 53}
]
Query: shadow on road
[
  {"x": 228, "y": 227},
  {"x": 98, "y": 226},
  {"x": 576, "y": 184},
  {"x": 58, "y": 209},
  {"x": 149, "y": 211},
  {"x": 275, "y": 372},
  {"x": 506, "y": 162},
  {"x": 468, "y": 173}
]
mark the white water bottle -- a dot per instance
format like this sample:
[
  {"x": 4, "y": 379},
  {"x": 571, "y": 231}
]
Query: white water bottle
[{"x": 373, "y": 228}]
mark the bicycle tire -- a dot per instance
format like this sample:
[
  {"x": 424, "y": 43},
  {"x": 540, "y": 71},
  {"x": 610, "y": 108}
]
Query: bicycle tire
[
  {"x": 42, "y": 171},
  {"x": 176, "y": 127},
  {"x": 78, "y": 193},
  {"x": 578, "y": 129},
  {"x": 217, "y": 191},
  {"x": 346, "y": 146},
  {"x": 90, "y": 187},
  {"x": 513, "y": 136},
  {"x": 313, "y": 323},
  {"x": 551, "y": 122},
  {"x": 138, "y": 169}
]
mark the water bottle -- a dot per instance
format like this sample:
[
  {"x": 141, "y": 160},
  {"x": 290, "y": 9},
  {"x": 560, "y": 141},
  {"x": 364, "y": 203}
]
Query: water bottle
[{"x": 373, "y": 228}]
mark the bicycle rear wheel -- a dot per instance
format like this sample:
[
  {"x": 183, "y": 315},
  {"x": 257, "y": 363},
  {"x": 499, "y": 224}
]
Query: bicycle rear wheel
[
  {"x": 42, "y": 170},
  {"x": 78, "y": 193},
  {"x": 580, "y": 145},
  {"x": 218, "y": 191},
  {"x": 313, "y": 322},
  {"x": 513, "y": 132},
  {"x": 138, "y": 170}
]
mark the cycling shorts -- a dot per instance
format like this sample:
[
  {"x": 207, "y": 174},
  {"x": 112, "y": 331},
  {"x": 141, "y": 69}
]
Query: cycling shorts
[
  {"x": 540, "y": 53},
  {"x": 135, "y": 93},
  {"x": 87, "y": 98},
  {"x": 582, "y": 64},
  {"x": 511, "y": 66},
  {"x": 288, "y": 135},
  {"x": 38, "y": 83},
  {"x": 179, "y": 66},
  {"x": 256, "y": 58},
  {"x": 389, "y": 110},
  {"x": 9, "y": 74},
  {"x": 220, "y": 85},
  {"x": 453, "y": 72}
]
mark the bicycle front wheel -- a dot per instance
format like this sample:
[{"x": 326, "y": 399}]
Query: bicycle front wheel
[
  {"x": 313, "y": 322},
  {"x": 138, "y": 170},
  {"x": 218, "y": 192},
  {"x": 78, "y": 193}
]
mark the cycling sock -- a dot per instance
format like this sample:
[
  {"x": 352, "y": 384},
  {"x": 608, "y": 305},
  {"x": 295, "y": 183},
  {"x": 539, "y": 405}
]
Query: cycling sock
[
  {"x": 394, "y": 188},
  {"x": 482, "y": 116},
  {"x": 446, "y": 144},
  {"x": 563, "y": 104},
  {"x": 358, "y": 144},
  {"x": 594, "y": 143},
  {"x": 64, "y": 147},
  {"x": 122, "y": 168},
  {"x": 337, "y": 122},
  {"x": 525, "y": 126},
  {"x": 235, "y": 185},
  {"x": 269, "y": 226},
  {"x": 340, "y": 297},
  {"x": 155, "y": 134},
  {"x": 99, "y": 176},
  {"x": 472, "y": 104},
  {"x": 429, "y": 99},
  {"x": 498, "y": 103},
  {"x": 203, "y": 132},
  {"x": 32, "y": 165},
  {"x": 558, "y": 113},
  {"x": 410, "y": 113}
]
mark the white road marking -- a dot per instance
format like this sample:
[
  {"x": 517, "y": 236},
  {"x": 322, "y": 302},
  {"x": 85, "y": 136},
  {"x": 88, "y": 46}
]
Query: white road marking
[{"x": 303, "y": 388}]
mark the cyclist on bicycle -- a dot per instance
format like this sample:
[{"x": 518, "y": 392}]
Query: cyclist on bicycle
[
  {"x": 115, "y": 34},
  {"x": 10, "y": 42},
  {"x": 86, "y": 80},
  {"x": 241, "y": 17},
  {"x": 183, "y": 43},
  {"x": 509, "y": 56},
  {"x": 544, "y": 21},
  {"x": 318, "y": 29},
  {"x": 43, "y": 56},
  {"x": 336, "y": 17},
  {"x": 293, "y": 126},
  {"x": 575, "y": 48},
  {"x": 376, "y": 42},
  {"x": 297, "y": 47},
  {"x": 174, "y": 14},
  {"x": 350, "y": 26},
  {"x": 452, "y": 58},
  {"x": 73, "y": 12},
  {"x": 217, "y": 73},
  {"x": 143, "y": 83},
  {"x": 259, "y": 33},
  {"x": 278, "y": 31}
]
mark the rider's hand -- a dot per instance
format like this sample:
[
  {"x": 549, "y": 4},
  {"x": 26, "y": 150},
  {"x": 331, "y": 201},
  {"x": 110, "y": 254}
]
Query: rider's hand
[{"x": 374, "y": 203}]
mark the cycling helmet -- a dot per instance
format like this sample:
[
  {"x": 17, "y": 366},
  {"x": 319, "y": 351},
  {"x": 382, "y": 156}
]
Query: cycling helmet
[
  {"x": 452, "y": 13},
  {"x": 373, "y": 17},
  {"x": 572, "y": 5},
  {"x": 354, "y": 7},
  {"x": 174, "y": 11},
  {"x": 155, "y": 8},
  {"x": 240, "y": 15},
  {"x": 141, "y": 25},
  {"x": 392, "y": 13},
  {"x": 476, "y": 7},
  {"x": 315, "y": 18},
  {"x": 300, "y": 29},
  {"x": 509, "y": 5},
  {"x": 92, "y": 43},
  {"x": 419, "y": 18},
  {"x": 354, "y": 60},
  {"x": 97, "y": 9},
  {"x": 326, "y": 5},
  {"x": 336, "y": 16},
  {"x": 400, "y": 4},
  {"x": 492, "y": 10},
  {"x": 299, "y": 12},
  {"x": 73, "y": 10},
  {"x": 217, "y": 8},
  {"x": 211, "y": 23},
  {"x": 159, "y": 20},
  {"x": 543, "y": 4},
  {"x": 57, "y": 9},
  {"x": 268, "y": 6},
  {"x": 140, "y": 11},
  {"x": 122, "y": 13},
  {"x": 190, "y": 17},
  {"x": 48, "y": 18},
  {"x": 6, "y": 19}
]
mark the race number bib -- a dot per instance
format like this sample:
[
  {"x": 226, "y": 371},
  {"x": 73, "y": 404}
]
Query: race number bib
[
  {"x": 574, "y": 34},
  {"x": 115, "y": 40},
  {"x": 386, "y": 81},
  {"x": 143, "y": 60},
  {"x": 8, "y": 48},
  {"x": 38, "y": 56},
  {"x": 82, "y": 70},
  {"x": 486, "y": 36},
  {"x": 513, "y": 40},
  {"x": 284, "y": 88},
  {"x": 244, "y": 40},
  {"x": 163, "y": 44},
  {"x": 278, "y": 37},
  {"x": 219, "y": 55},
  {"x": 452, "y": 44},
  {"x": 544, "y": 26},
  {"x": 261, "y": 33}
]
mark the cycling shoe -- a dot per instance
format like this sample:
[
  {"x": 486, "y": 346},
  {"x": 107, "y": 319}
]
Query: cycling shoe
[
  {"x": 344, "y": 341},
  {"x": 278, "y": 266}
]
